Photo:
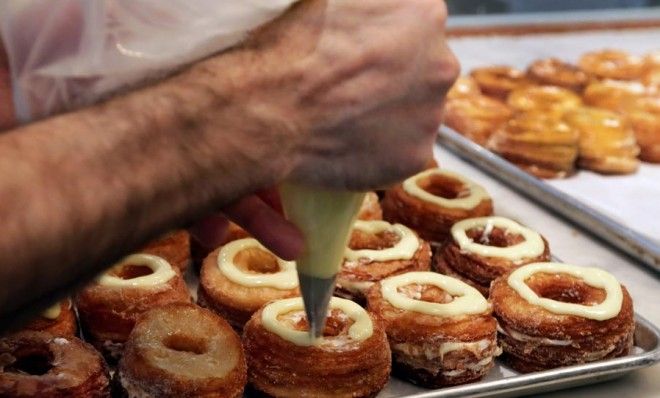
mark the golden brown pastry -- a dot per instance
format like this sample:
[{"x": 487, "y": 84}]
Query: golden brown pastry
[
  {"x": 644, "y": 116},
  {"x": 554, "y": 72},
  {"x": 59, "y": 320},
  {"x": 612, "y": 64},
  {"x": 351, "y": 359},
  {"x": 539, "y": 144},
  {"x": 464, "y": 86},
  {"x": 550, "y": 100},
  {"x": 432, "y": 201},
  {"x": 607, "y": 142},
  {"x": 552, "y": 315},
  {"x": 476, "y": 117},
  {"x": 173, "y": 247},
  {"x": 240, "y": 277},
  {"x": 482, "y": 249},
  {"x": 110, "y": 305},
  {"x": 181, "y": 350},
  {"x": 43, "y": 365},
  {"x": 376, "y": 250},
  {"x": 614, "y": 95},
  {"x": 498, "y": 81},
  {"x": 441, "y": 330}
]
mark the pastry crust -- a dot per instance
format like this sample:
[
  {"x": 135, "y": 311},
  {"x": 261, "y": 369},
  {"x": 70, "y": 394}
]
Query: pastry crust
[
  {"x": 341, "y": 367},
  {"x": 108, "y": 313},
  {"x": 235, "y": 302},
  {"x": 430, "y": 220},
  {"x": 535, "y": 339},
  {"x": 435, "y": 351},
  {"x": 476, "y": 117},
  {"x": 550, "y": 100},
  {"x": 182, "y": 350},
  {"x": 499, "y": 80},
  {"x": 555, "y": 72},
  {"x": 479, "y": 271},
  {"x": 607, "y": 142},
  {"x": 464, "y": 86},
  {"x": 173, "y": 247},
  {"x": 356, "y": 277},
  {"x": 612, "y": 64},
  {"x": 64, "y": 325},
  {"x": 43, "y": 365},
  {"x": 539, "y": 144}
]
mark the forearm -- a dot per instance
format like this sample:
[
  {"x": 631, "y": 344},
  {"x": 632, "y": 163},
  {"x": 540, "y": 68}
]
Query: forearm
[{"x": 79, "y": 190}]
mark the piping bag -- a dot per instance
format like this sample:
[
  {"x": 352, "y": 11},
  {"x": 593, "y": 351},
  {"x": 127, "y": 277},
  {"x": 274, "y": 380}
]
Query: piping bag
[{"x": 325, "y": 218}]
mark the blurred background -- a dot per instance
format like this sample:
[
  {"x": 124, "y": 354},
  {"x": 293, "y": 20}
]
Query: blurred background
[{"x": 466, "y": 7}]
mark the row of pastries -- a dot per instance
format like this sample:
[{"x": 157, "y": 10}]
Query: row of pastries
[
  {"x": 601, "y": 115},
  {"x": 433, "y": 287}
]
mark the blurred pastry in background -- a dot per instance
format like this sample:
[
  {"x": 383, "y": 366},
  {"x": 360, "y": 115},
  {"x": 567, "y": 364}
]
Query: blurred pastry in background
[
  {"x": 551, "y": 100},
  {"x": 476, "y": 117},
  {"x": 499, "y": 80},
  {"x": 612, "y": 64},
  {"x": 555, "y": 72}
]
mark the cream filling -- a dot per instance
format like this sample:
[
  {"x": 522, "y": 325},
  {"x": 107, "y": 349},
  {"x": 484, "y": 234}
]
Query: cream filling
[
  {"x": 532, "y": 339},
  {"x": 285, "y": 278},
  {"x": 162, "y": 272},
  {"x": 594, "y": 277},
  {"x": 404, "y": 249},
  {"x": 438, "y": 351},
  {"x": 531, "y": 247},
  {"x": 361, "y": 329},
  {"x": 475, "y": 193},
  {"x": 466, "y": 299}
]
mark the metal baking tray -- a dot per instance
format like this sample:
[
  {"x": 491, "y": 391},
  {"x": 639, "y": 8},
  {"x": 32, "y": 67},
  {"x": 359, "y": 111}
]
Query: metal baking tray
[
  {"x": 504, "y": 382},
  {"x": 613, "y": 232}
]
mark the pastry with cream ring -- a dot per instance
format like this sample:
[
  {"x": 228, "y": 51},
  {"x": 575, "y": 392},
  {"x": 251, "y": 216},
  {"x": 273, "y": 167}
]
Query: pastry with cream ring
[
  {"x": 607, "y": 142},
  {"x": 59, "y": 319},
  {"x": 44, "y": 365},
  {"x": 555, "y": 72},
  {"x": 173, "y": 247},
  {"x": 552, "y": 315},
  {"x": 441, "y": 330},
  {"x": 182, "y": 350},
  {"x": 540, "y": 144},
  {"x": 612, "y": 64},
  {"x": 432, "y": 201},
  {"x": 351, "y": 359},
  {"x": 241, "y": 276},
  {"x": 499, "y": 80},
  {"x": 109, "y": 306},
  {"x": 376, "y": 250},
  {"x": 482, "y": 249},
  {"x": 476, "y": 117}
]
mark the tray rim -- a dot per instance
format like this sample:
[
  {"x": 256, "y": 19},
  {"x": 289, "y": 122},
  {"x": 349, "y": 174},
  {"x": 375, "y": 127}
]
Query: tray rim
[{"x": 584, "y": 374}]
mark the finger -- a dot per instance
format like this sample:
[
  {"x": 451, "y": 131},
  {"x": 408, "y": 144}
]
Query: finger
[
  {"x": 210, "y": 231},
  {"x": 267, "y": 225},
  {"x": 272, "y": 198}
]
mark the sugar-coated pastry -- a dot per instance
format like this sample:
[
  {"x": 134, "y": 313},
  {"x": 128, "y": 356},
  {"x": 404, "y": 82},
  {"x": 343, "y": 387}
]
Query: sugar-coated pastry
[
  {"x": 555, "y": 72},
  {"x": 370, "y": 208},
  {"x": 612, "y": 64},
  {"x": 376, "y": 250},
  {"x": 432, "y": 201},
  {"x": 464, "y": 86},
  {"x": 607, "y": 142},
  {"x": 539, "y": 144},
  {"x": 173, "y": 247},
  {"x": 351, "y": 359},
  {"x": 59, "y": 319},
  {"x": 182, "y": 350},
  {"x": 614, "y": 95},
  {"x": 110, "y": 305},
  {"x": 552, "y": 315},
  {"x": 441, "y": 330},
  {"x": 241, "y": 276},
  {"x": 476, "y": 116},
  {"x": 550, "y": 100},
  {"x": 644, "y": 117},
  {"x": 44, "y": 365},
  {"x": 498, "y": 81},
  {"x": 482, "y": 249}
]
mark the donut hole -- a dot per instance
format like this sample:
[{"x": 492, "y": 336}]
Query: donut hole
[
  {"x": 361, "y": 240},
  {"x": 443, "y": 186},
  {"x": 337, "y": 323},
  {"x": 256, "y": 260},
  {"x": 496, "y": 237},
  {"x": 428, "y": 293},
  {"x": 186, "y": 343},
  {"x": 566, "y": 289},
  {"x": 35, "y": 361},
  {"x": 131, "y": 271}
]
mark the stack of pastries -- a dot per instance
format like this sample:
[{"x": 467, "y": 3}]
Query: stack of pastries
[
  {"x": 536, "y": 118},
  {"x": 433, "y": 288}
]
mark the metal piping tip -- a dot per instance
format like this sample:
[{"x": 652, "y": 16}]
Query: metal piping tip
[{"x": 316, "y": 294}]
